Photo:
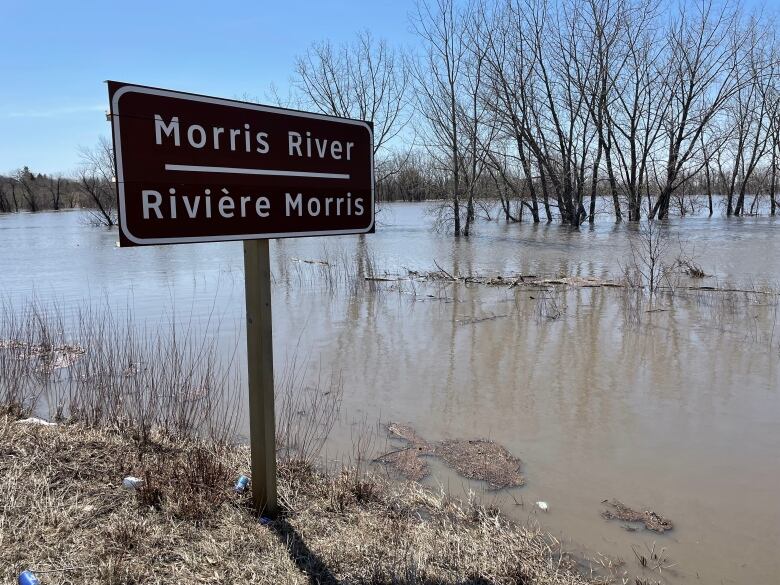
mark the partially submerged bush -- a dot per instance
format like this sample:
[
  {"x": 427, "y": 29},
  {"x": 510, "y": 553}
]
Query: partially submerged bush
[{"x": 98, "y": 369}]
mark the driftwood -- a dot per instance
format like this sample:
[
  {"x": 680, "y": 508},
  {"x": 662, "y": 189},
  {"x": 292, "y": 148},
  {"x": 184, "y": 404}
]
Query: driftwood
[
  {"x": 528, "y": 280},
  {"x": 444, "y": 271},
  {"x": 472, "y": 320}
]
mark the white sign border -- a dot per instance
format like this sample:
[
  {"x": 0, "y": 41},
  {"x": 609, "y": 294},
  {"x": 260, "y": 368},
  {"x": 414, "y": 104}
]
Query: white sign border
[{"x": 235, "y": 104}]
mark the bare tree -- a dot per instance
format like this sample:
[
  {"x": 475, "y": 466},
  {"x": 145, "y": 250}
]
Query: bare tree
[
  {"x": 474, "y": 113},
  {"x": 365, "y": 79},
  {"x": 438, "y": 76},
  {"x": 705, "y": 67},
  {"x": 97, "y": 179},
  {"x": 712, "y": 142},
  {"x": 510, "y": 85},
  {"x": 54, "y": 185},
  {"x": 604, "y": 26},
  {"x": 564, "y": 132},
  {"x": 649, "y": 263},
  {"x": 770, "y": 95},
  {"x": 773, "y": 110}
]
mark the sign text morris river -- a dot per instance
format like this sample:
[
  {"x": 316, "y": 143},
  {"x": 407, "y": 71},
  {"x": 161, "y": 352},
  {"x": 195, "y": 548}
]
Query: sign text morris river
[{"x": 192, "y": 168}]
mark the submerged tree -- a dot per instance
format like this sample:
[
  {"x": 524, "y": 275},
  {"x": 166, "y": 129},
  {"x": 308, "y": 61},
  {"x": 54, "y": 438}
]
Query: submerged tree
[
  {"x": 97, "y": 180},
  {"x": 438, "y": 76}
]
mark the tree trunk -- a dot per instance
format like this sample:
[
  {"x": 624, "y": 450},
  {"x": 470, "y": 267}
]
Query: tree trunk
[
  {"x": 469, "y": 214},
  {"x": 529, "y": 179},
  {"x": 613, "y": 189},
  {"x": 773, "y": 182},
  {"x": 594, "y": 187},
  {"x": 545, "y": 194}
]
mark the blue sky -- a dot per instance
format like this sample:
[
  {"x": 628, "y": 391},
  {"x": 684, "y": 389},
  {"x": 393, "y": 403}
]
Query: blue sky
[{"x": 55, "y": 56}]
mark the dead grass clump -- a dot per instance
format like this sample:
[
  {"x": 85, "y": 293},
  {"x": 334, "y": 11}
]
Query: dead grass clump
[
  {"x": 15, "y": 410},
  {"x": 651, "y": 520},
  {"x": 190, "y": 483},
  {"x": 407, "y": 462},
  {"x": 482, "y": 460},
  {"x": 478, "y": 459},
  {"x": 47, "y": 357},
  {"x": 405, "y": 432}
]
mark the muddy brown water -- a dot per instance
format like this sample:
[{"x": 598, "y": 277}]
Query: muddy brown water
[{"x": 676, "y": 410}]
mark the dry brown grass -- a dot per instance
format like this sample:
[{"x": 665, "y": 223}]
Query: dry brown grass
[{"x": 64, "y": 510}]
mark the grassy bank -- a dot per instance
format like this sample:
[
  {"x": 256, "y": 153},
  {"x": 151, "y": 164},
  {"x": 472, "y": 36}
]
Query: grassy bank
[{"x": 64, "y": 510}]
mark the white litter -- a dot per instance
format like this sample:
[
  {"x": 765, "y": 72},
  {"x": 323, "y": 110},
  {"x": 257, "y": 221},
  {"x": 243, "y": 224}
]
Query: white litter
[
  {"x": 132, "y": 483},
  {"x": 542, "y": 506},
  {"x": 36, "y": 421}
]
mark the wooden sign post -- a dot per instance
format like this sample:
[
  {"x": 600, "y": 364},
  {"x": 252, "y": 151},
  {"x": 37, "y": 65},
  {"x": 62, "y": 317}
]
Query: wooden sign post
[
  {"x": 192, "y": 168},
  {"x": 260, "y": 359}
]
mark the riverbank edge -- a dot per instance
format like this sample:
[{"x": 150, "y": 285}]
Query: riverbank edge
[{"x": 66, "y": 516}]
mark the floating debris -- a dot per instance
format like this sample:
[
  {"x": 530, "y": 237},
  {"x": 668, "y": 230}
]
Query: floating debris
[
  {"x": 578, "y": 281},
  {"x": 384, "y": 278},
  {"x": 533, "y": 282},
  {"x": 542, "y": 506},
  {"x": 306, "y": 261},
  {"x": 483, "y": 460},
  {"x": 407, "y": 462},
  {"x": 651, "y": 520},
  {"x": 507, "y": 280},
  {"x": 51, "y": 357},
  {"x": 475, "y": 459},
  {"x": 406, "y": 433},
  {"x": 472, "y": 320}
]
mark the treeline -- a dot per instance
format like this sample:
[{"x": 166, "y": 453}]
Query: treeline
[
  {"x": 90, "y": 187},
  {"x": 28, "y": 191},
  {"x": 551, "y": 106}
]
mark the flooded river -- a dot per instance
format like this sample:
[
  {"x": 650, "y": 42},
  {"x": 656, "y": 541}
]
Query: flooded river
[{"x": 672, "y": 405}]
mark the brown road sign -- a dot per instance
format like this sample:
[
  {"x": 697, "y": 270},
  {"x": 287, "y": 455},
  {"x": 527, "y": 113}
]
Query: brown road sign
[{"x": 192, "y": 168}]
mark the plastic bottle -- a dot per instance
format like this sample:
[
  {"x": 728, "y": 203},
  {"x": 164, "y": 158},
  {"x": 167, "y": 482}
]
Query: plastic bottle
[{"x": 241, "y": 484}]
